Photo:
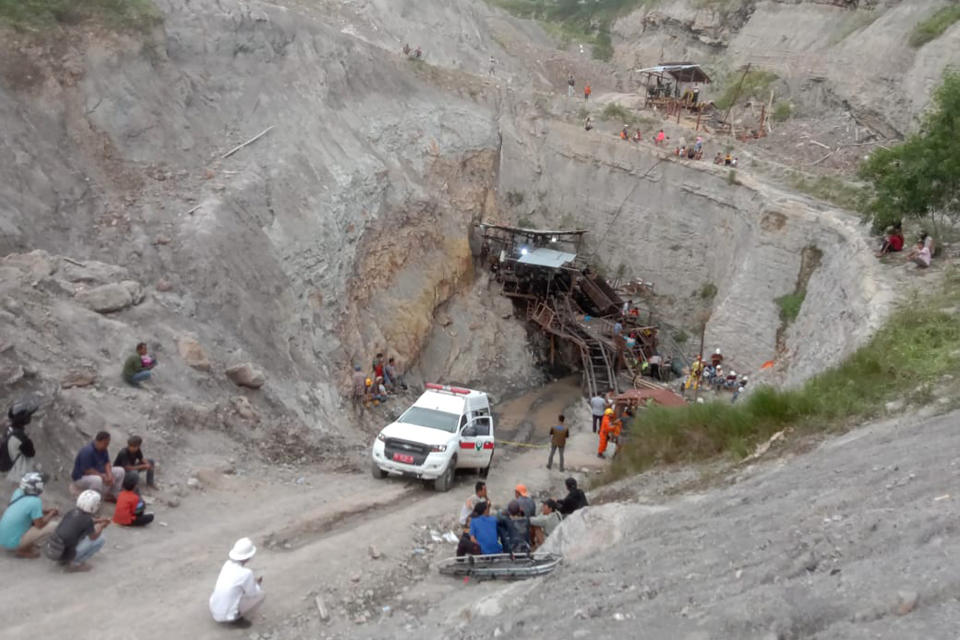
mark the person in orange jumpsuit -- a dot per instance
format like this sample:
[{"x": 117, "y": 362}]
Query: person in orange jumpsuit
[{"x": 606, "y": 429}]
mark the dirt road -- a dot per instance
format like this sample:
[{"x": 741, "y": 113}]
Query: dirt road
[{"x": 314, "y": 534}]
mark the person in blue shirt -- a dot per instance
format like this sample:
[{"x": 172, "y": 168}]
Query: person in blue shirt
[
  {"x": 92, "y": 469},
  {"x": 483, "y": 529},
  {"x": 25, "y": 523}
]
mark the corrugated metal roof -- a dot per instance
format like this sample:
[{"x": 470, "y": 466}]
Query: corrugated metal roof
[{"x": 547, "y": 258}]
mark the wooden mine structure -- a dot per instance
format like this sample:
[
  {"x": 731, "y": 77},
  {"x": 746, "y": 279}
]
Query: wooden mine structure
[{"x": 543, "y": 272}]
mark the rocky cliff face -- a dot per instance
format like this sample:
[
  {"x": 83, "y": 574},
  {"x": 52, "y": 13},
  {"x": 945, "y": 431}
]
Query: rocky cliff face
[
  {"x": 685, "y": 225},
  {"x": 335, "y": 235}
]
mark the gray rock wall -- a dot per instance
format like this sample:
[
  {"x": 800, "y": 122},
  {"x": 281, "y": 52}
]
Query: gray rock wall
[{"x": 683, "y": 225}]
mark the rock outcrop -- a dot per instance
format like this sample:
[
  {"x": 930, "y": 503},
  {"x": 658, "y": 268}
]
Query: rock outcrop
[
  {"x": 115, "y": 296},
  {"x": 192, "y": 353},
  {"x": 246, "y": 375}
]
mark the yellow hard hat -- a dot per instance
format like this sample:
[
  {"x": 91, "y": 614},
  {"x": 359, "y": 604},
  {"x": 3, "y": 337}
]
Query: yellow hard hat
[
  {"x": 608, "y": 412},
  {"x": 369, "y": 382}
]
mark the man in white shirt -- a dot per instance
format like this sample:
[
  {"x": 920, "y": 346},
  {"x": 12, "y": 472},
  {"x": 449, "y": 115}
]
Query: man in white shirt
[
  {"x": 237, "y": 593},
  {"x": 597, "y": 406},
  {"x": 480, "y": 495}
]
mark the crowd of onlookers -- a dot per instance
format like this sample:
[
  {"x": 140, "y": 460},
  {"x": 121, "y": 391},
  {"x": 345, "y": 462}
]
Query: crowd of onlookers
[
  {"x": 518, "y": 527},
  {"x": 30, "y": 530},
  {"x": 383, "y": 380}
]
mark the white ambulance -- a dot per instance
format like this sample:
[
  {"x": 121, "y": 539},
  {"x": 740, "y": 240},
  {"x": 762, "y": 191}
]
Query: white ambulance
[{"x": 446, "y": 429}]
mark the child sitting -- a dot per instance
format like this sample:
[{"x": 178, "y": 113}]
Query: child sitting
[{"x": 130, "y": 506}]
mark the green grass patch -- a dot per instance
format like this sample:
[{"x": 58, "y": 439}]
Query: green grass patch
[
  {"x": 782, "y": 112},
  {"x": 831, "y": 189},
  {"x": 708, "y": 291},
  {"x": 618, "y": 113},
  {"x": 755, "y": 84},
  {"x": 917, "y": 346},
  {"x": 575, "y": 21},
  {"x": 790, "y": 306},
  {"x": 38, "y": 15},
  {"x": 934, "y": 26}
]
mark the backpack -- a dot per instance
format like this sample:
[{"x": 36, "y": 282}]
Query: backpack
[{"x": 6, "y": 463}]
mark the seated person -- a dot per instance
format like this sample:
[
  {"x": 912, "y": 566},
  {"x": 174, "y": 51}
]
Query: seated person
[
  {"x": 467, "y": 546},
  {"x": 543, "y": 525},
  {"x": 921, "y": 254},
  {"x": 728, "y": 160},
  {"x": 636, "y": 136},
  {"x": 514, "y": 529},
  {"x": 131, "y": 459},
  {"x": 718, "y": 159},
  {"x": 483, "y": 529},
  {"x": 137, "y": 367},
  {"x": 130, "y": 506},
  {"x": 575, "y": 499}
]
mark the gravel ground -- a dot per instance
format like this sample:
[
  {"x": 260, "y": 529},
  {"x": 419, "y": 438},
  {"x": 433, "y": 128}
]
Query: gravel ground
[{"x": 851, "y": 540}]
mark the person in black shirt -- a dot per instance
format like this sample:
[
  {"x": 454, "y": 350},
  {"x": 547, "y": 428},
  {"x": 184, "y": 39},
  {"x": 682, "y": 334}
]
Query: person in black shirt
[
  {"x": 467, "y": 546},
  {"x": 131, "y": 459},
  {"x": 77, "y": 537},
  {"x": 576, "y": 498}
]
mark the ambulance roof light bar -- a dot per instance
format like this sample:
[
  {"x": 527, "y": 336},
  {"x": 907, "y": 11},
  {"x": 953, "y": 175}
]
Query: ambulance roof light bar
[{"x": 440, "y": 387}]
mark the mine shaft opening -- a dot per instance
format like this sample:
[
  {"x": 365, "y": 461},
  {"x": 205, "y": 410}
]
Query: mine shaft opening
[{"x": 579, "y": 321}]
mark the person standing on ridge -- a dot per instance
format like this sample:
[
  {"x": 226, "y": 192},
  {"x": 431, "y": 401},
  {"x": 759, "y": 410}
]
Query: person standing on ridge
[
  {"x": 558, "y": 440},
  {"x": 597, "y": 406},
  {"x": 571, "y": 84},
  {"x": 586, "y": 92}
]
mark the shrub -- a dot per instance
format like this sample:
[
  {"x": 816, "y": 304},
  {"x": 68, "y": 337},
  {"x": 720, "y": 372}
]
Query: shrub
[
  {"x": 934, "y": 26},
  {"x": 790, "y": 306},
  {"x": 617, "y": 112},
  {"x": 754, "y": 84},
  {"x": 708, "y": 291},
  {"x": 122, "y": 15},
  {"x": 782, "y": 112}
]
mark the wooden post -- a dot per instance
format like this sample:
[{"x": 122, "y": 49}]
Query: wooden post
[{"x": 763, "y": 117}]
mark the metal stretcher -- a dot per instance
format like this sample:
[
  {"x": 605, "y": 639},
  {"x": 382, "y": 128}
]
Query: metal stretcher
[{"x": 501, "y": 566}]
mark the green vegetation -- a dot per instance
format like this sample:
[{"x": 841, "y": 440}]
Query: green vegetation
[
  {"x": 618, "y": 113},
  {"x": 732, "y": 177},
  {"x": 708, "y": 291},
  {"x": 680, "y": 336},
  {"x": 790, "y": 306},
  {"x": 515, "y": 198},
  {"x": 755, "y": 83},
  {"x": 919, "y": 344},
  {"x": 782, "y": 112},
  {"x": 572, "y": 20},
  {"x": 122, "y": 15},
  {"x": 934, "y": 26},
  {"x": 919, "y": 178},
  {"x": 831, "y": 189},
  {"x": 854, "y": 21}
]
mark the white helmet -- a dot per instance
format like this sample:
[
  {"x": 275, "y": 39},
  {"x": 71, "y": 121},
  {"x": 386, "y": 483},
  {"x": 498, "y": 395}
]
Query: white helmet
[
  {"x": 717, "y": 351},
  {"x": 733, "y": 373},
  {"x": 31, "y": 484},
  {"x": 88, "y": 501}
]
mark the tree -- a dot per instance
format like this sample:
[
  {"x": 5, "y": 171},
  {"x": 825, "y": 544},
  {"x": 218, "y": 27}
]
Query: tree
[{"x": 921, "y": 177}]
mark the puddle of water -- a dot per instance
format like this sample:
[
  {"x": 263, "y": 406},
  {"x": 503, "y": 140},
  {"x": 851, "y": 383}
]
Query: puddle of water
[{"x": 534, "y": 412}]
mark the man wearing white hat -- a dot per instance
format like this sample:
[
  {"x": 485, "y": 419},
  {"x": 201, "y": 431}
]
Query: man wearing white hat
[{"x": 237, "y": 593}]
